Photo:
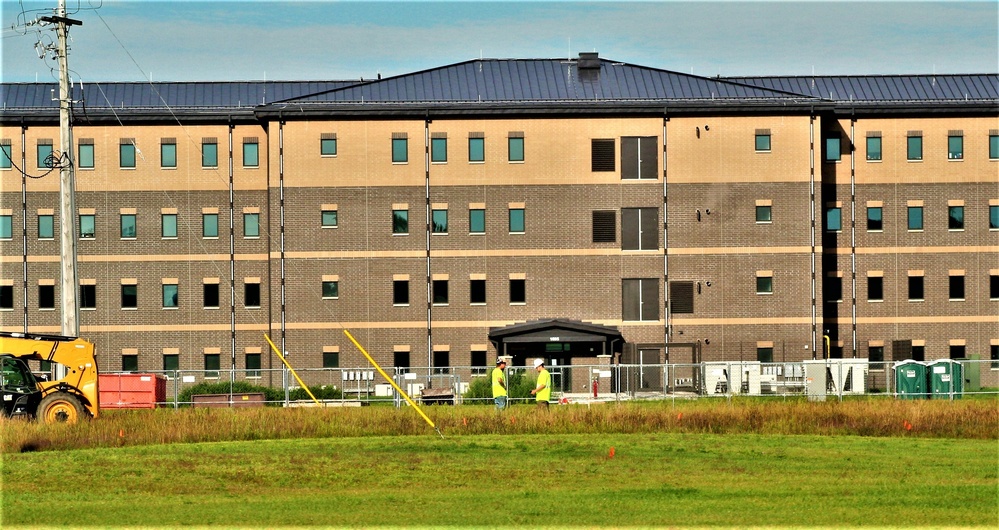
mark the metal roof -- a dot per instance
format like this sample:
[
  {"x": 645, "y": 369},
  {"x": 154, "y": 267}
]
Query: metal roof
[
  {"x": 543, "y": 80},
  {"x": 235, "y": 94},
  {"x": 884, "y": 88}
]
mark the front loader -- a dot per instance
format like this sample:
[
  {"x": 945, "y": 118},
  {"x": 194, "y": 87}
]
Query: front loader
[{"x": 64, "y": 400}]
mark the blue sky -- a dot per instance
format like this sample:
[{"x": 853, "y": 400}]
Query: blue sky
[{"x": 221, "y": 40}]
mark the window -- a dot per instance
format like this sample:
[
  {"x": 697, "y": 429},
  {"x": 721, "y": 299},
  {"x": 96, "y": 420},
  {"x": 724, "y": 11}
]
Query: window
[
  {"x": 170, "y": 295},
  {"x": 400, "y": 360},
  {"x": 126, "y": 153},
  {"x": 955, "y": 217},
  {"x": 210, "y": 225},
  {"x": 994, "y": 356},
  {"x": 400, "y": 292},
  {"x": 957, "y": 351},
  {"x": 476, "y": 149},
  {"x": 5, "y": 155},
  {"x": 479, "y": 366},
  {"x": 400, "y": 221},
  {"x": 251, "y": 225},
  {"x": 210, "y": 295},
  {"x": 171, "y": 362},
  {"x": 212, "y": 365},
  {"x": 438, "y": 150},
  {"x": 252, "y": 362},
  {"x": 516, "y": 220},
  {"x": 833, "y": 289},
  {"x": 764, "y": 214},
  {"x": 763, "y": 140},
  {"x": 764, "y": 283},
  {"x": 915, "y": 217},
  {"x": 168, "y": 153},
  {"x": 209, "y": 153},
  {"x": 875, "y": 289},
  {"x": 477, "y": 292},
  {"x": 6, "y": 297},
  {"x": 251, "y": 294},
  {"x": 993, "y": 145},
  {"x": 518, "y": 291},
  {"x": 993, "y": 286},
  {"x": 639, "y": 228},
  {"x": 765, "y": 355},
  {"x": 43, "y": 153},
  {"x": 993, "y": 217},
  {"x": 331, "y": 359},
  {"x": 834, "y": 219},
  {"x": 955, "y": 145},
  {"x": 442, "y": 362},
  {"x": 918, "y": 353},
  {"x": 46, "y": 226},
  {"x": 327, "y": 144},
  {"x": 916, "y": 288},
  {"x": 400, "y": 149},
  {"x": 438, "y": 220},
  {"x": 873, "y": 148},
  {"x": 515, "y": 147},
  {"x": 251, "y": 152},
  {"x": 85, "y": 154},
  {"x": 602, "y": 155},
  {"x": 329, "y": 218},
  {"x": 46, "y": 297},
  {"x": 875, "y": 219},
  {"x": 168, "y": 225},
  {"x": 639, "y": 157},
  {"x": 88, "y": 296},
  {"x": 876, "y": 355},
  {"x": 439, "y": 292},
  {"x": 681, "y": 298},
  {"x": 129, "y": 363},
  {"x": 331, "y": 289},
  {"x": 604, "y": 226},
  {"x": 914, "y": 147},
  {"x": 955, "y": 287},
  {"x": 476, "y": 221},
  {"x": 6, "y": 227},
  {"x": 128, "y": 226},
  {"x": 129, "y": 296},
  {"x": 87, "y": 226},
  {"x": 640, "y": 299},
  {"x": 833, "y": 148}
]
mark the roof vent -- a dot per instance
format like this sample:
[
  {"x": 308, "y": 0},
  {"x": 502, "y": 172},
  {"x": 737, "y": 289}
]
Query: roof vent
[{"x": 588, "y": 61}]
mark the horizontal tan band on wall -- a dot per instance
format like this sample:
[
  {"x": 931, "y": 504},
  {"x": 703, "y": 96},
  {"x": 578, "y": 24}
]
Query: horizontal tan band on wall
[
  {"x": 993, "y": 202},
  {"x": 170, "y": 280},
  {"x": 875, "y": 204},
  {"x": 440, "y": 276},
  {"x": 251, "y": 209},
  {"x": 994, "y": 342},
  {"x": 993, "y": 272},
  {"x": 919, "y": 342},
  {"x": 476, "y": 276},
  {"x": 331, "y": 277},
  {"x": 168, "y": 211},
  {"x": 6, "y": 283},
  {"x": 330, "y": 207},
  {"x": 442, "y": 347},
  {"x": 129, "y": 281},
  {"x": 913, "y": 203},
  {"x": 401, "y": 348},
  {"x": 956, "y": 272},
  {"x": 252, "y": 349},
  {"x": 46, "y": 281},
  {"x": 210, "y": 210},
  {"x": 400, "y": 206},
  {"x": 916, "y": 272},
  {"x": 251, "y": 279},
  {"x": 517, "y": 205},
  {"x": 400, "y": 277},
  {"x": 476, "y": 206},
  {"x": 46, "y": 211},
  {"x": 958, "y": 342},
  {"x": 764, "y": 202},
  {"x": 438, "y": 206},
  {"x": 88, "y": 211},
  {"x": 875, "y": 274},
  {"x": 876, "y": 343},
  {"x": 88, "y": 281},
  {"x": 210, "y": 351},
  {"x": 707, "y": 251},
  {"x": 765, "y": 344},
  {"x": 129, "y": 351},
  {"x": 331, "y": 349},
  {"x": 171, "y": 351},
  {"x": 128, "y": 211},
  {"x": 764, "y": 274},
  {"x": 955, "y": 202},
  {"x": 210, "y": 281},
  {"x": 518, "y": 275},
  {"x": 918, "y": 250},
  {"x": 478, "y": 347}
]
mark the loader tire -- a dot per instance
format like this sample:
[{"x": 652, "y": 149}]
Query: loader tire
[{"x": 60, "y": 407}]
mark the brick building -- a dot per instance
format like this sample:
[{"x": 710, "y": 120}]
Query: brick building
[{"x": 583, "y": 210}]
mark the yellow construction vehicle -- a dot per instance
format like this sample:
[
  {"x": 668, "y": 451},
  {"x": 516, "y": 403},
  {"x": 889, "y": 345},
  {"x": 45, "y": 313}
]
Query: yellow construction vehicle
[{"x": 64, "y": 400}]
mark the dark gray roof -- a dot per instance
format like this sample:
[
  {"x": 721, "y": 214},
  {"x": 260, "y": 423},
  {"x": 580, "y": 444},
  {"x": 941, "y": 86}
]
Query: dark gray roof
[
  {"x": 236, "y": 94},
  {"x": 884, "y": 88},
  {"x": 543, "y": 80}
]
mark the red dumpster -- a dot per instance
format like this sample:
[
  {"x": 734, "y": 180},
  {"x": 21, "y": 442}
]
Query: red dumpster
[{"x": 131, "y": 391}]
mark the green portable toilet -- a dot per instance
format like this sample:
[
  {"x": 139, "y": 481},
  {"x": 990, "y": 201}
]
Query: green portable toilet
[
  {"x": 946, "y": 377},
  {"x": 910, "y": 380}
]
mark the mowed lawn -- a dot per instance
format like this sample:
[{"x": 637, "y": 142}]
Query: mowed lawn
[{"x": 513, "y": 480}]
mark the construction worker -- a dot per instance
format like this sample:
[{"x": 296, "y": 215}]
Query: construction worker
[
  {"x": 499, "y": 384},
  {"x": 543, "y": 392}
]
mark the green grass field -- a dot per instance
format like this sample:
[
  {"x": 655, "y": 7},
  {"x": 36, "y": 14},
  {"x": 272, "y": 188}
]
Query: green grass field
[{"x": 698, "y": 465}]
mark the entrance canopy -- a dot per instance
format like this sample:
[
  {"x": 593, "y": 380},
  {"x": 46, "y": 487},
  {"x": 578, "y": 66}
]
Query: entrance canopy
[{"x": 557, "y": 330}]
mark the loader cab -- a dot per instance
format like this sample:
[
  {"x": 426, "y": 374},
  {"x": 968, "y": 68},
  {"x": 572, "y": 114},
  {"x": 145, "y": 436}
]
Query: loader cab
[{"x": 19, "y": 390}]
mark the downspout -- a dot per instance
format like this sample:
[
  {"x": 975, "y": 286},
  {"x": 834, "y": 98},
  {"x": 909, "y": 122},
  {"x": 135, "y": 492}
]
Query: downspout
[
  {"x": 667, "y": 316},
  {"x": 426, "y": 169},
  {"x": 24, "y": 227},
  {"x": 811, "y": 185},
  {"x": 284, "y": 350},
  {"x": 853, "y": 233},
  {"x": 232, "y": 265},
  {"x": 270, "y": 263}
]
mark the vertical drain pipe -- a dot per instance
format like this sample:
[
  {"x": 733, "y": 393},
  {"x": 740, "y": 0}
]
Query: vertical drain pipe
[
  {"x": 811, "y": 185},
  {"x": 666, "y": 309},
  {"x": 430, "y": 305},
  {"x": 24, "y": 228},
  {"x": 284, "y": 349},
  {"x": 232, "y": 266},
  {"x": 853, "y": 233}
]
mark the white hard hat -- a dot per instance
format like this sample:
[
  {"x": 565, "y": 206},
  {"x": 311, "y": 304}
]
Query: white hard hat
[{"x": 538, "y": 362}]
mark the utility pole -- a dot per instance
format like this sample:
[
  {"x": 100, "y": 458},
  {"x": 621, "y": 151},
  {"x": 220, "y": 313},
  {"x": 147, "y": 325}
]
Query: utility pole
[{"x": 67, "y": 183}]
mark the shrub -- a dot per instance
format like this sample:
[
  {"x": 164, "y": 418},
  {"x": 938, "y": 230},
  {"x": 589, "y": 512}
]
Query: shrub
[
  {"x": 321, "y": 393},
  {"x": 519, "y": 386},
  {"x": 237, "y": 387}
]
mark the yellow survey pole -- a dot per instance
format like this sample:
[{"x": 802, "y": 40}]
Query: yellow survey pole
[
  {"x": 278, "y": 352},
  {"x": 389, "y": 379}
]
